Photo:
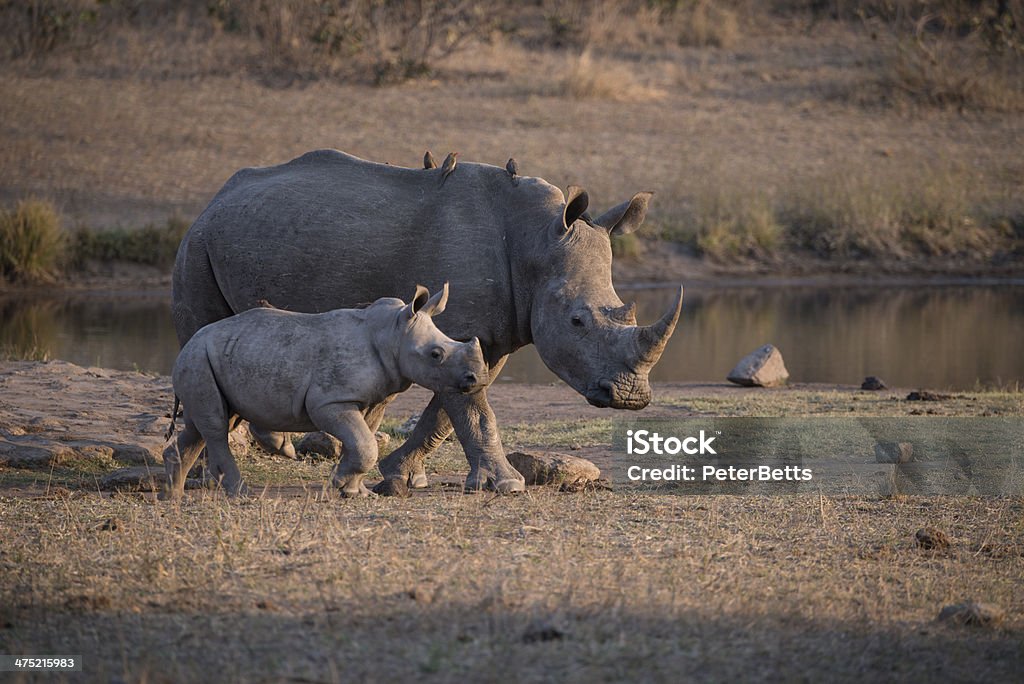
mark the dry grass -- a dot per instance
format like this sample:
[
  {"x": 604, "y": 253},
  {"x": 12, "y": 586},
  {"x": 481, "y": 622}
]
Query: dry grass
[
  {"x": 591, "y": 77},
  {"x": 32, "y": 242},
  {"x": 607, "y": 585}
]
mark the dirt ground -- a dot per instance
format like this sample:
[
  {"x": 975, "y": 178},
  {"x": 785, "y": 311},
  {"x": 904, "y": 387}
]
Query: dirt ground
[{"x": 631, "y": 584}]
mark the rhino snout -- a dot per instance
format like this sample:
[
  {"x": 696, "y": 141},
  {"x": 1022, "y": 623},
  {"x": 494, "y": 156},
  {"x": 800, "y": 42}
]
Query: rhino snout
[{"x": 625, "y": 391}]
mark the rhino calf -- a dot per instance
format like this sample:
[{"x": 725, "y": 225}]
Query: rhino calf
[{"x": 299, "y": 372}]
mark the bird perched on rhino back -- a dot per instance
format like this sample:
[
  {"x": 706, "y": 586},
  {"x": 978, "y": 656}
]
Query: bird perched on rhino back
[
  {"x": 448, "y": 166},
  {"x": 513, "y": 170},
  {"x": 428, "y": 161}
]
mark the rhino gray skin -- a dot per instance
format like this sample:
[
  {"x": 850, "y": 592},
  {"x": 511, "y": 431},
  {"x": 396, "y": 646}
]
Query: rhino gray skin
[
  {"x": 328, "y": 230},
  {"x": 300, "y": 372}
]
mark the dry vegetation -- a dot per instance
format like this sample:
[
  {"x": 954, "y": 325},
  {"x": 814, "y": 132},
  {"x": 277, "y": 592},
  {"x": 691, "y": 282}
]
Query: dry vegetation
[{"x": 781, "y": 134}]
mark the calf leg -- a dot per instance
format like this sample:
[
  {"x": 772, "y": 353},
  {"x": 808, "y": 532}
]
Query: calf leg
[
  {"x": 434, "y": 426},
  {"x": 359, "y": 445},
  {"x": 179, "y": 458},
  {"x": 222, "y": 465}
]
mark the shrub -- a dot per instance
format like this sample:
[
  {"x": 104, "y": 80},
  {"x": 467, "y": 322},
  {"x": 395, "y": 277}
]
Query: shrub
[
  {"x": 150, "y": 245},
  {"x": 32, "y": 242}
]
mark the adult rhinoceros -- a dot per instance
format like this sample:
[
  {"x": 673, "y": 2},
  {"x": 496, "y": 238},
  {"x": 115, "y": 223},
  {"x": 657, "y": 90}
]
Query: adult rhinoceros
[{"x": 525, "y": 265}]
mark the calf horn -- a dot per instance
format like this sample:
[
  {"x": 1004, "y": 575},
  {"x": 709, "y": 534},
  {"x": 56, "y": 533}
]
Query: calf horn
[{"x": 651, "y": 339}]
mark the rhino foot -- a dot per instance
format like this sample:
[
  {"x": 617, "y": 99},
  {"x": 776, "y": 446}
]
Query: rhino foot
[
  {"x": 276, "y": 443},
  {"x": 418, "y": 479},
  {"x": 479, "y": 480},
  {"x": 392, "y": 487},
  {"x": 351, "y": 486}
]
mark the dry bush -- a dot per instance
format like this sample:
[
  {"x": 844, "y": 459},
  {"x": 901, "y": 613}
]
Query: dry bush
[
  {"x": 37, "y": 27},
  {"x": 863, "y": 214},
  {"x": 32, "y": 242},
  {"x": 591, "y": 77},
  {"x": 726, "y": 221},
  {"x": 703, "y": 23}
]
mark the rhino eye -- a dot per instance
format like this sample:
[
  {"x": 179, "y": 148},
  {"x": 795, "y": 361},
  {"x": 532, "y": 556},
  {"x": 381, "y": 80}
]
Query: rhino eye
[
  {"x": 437, "y": 353},
  {"x": 577, "y": 321}
]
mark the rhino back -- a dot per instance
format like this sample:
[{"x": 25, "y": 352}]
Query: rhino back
[
  {"x": 329, "y": 230},
  {"x": 266, "y": 361}
]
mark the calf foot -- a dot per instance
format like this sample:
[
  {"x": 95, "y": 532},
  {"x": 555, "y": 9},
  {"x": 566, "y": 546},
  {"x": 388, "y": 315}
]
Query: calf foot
[{"x": 351, "y": 486}]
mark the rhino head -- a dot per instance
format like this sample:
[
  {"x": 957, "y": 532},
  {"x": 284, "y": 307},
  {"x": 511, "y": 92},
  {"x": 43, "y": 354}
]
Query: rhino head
[
  {"x": 582, "y": 330},
  {"x": 430, "y": 358}
]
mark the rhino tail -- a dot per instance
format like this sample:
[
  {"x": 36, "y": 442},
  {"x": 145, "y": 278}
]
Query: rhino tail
[{"x": 174, "y": 416}]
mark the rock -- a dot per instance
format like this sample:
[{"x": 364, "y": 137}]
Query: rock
[
  {"x": 925, "y": 395},
  {"x": 140, "y": 479},
  {"x": 972, "y": 613},
  {"x": 24, "y": 454},
  {"x": 321, "y": 445},
  {"x": 762, "y": 367},
  {"x": 873, "y": 383},
  {"x": 894, "y": 452},
  {"x": 552, "y": 468},
  {"x": 931, "y": 538}
]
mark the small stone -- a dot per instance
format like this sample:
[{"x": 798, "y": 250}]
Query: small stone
[
  {"x": 894, "y": 452},
  {"x": 552, "y": 468},
  {"x": 542, "y": 631},
  {"x": 930, "y": 538},
  {"x": 111, "y": 525},
  {"x": 972, "y": 613},
  {"x": 873, "y": 383},
  {"x": 762, "y": 367}
]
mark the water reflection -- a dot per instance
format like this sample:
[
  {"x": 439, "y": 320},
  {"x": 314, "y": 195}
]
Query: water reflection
[{"x": 950, "y": 336}]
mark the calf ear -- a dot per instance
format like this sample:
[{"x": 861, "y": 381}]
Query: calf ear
[
  {"x": 437, "y": 303},
  {"x": 626, "y": 217},
  {"x": 576, "y": 201},
  {"x": 419, "y": 300}
]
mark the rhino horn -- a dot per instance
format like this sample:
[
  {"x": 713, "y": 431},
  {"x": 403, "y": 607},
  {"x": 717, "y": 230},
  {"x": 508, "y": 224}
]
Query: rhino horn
[{"x": 651, "y": 339}]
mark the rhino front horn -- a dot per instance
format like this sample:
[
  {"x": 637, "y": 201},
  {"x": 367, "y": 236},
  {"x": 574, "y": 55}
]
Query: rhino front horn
[{"x": 651, "y": 339}]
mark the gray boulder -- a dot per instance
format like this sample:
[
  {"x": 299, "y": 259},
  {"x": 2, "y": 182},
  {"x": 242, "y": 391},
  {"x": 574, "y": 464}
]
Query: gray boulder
[{"x": 762, "y": 367}]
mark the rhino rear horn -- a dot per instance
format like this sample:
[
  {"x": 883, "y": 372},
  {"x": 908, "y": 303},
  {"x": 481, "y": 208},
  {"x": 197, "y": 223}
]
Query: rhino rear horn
[
  {"x": 626, "y": 217},
  {"x": 651, "y": 339}
]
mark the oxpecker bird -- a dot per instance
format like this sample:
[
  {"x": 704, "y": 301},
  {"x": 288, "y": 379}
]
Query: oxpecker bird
[
  {"x": 428, "y": 160},
  {"x": 513, "y": 170},
  {"x": 448, "y": 166}
]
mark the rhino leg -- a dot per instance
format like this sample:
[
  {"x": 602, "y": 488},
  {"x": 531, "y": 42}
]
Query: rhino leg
[
  {"x": 477, "y": 430},
  {"x": 273, "y": 442},
  {"x": 406, "y": 462},
  {"x": 179, "y": 458},
  {"x": 359, "y": 446},
  {"x": 222, "y": 465}
]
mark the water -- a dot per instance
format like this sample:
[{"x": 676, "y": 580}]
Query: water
[{"x": 916, "y": 336}]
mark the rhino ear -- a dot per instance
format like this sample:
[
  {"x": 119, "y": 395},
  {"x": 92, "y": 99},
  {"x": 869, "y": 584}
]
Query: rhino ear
[
  {"x": 437, "y": 303},
  {"x": 626, "y": 217},
  {"x": 576, "y": 201},
  {"x": 419, "y": 300}
]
